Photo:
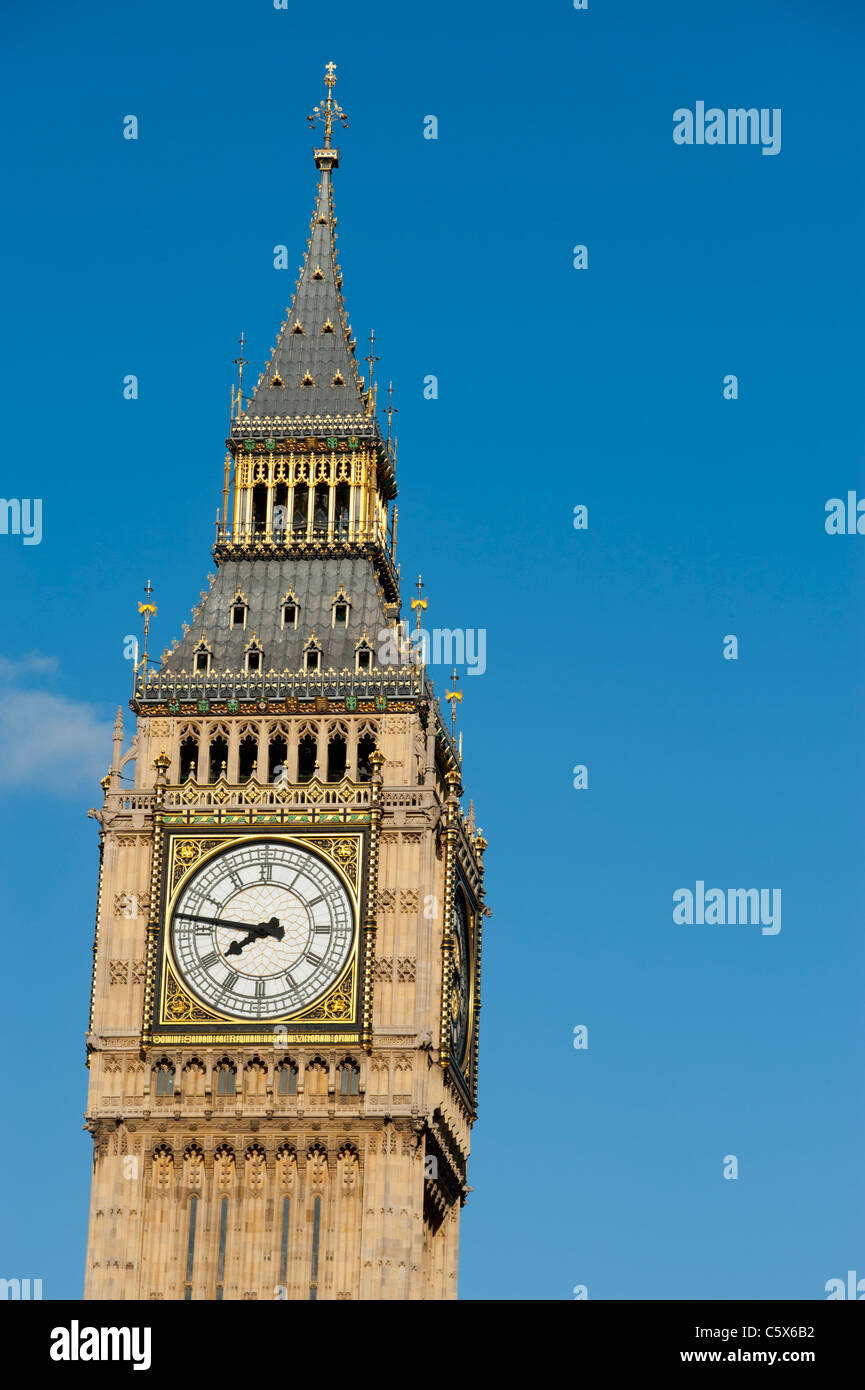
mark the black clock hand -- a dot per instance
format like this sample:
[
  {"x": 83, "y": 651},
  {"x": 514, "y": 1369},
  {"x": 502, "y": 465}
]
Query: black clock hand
[
  {"x": 271, "y": 928},
  {"x": 216, "y": 921}
]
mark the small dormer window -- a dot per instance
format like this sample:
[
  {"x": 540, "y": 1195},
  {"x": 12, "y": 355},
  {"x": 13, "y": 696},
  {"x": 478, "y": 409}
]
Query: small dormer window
[
  {"x": 307, "y": 380},
  {"x": 201, "y": 658},
  {"x": 254, "y": 656},
  {"x": 340, "y": 605},
  {"x": 312, "y": 655},
  {"x": 363, "y": 654},
  {"x": 239, "y": 610},
  {"x": 290, "y": 610}
]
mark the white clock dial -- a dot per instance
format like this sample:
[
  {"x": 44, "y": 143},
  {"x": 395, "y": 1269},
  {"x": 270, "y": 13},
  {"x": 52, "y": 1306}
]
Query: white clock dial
[{"x": 262, "y": 930}]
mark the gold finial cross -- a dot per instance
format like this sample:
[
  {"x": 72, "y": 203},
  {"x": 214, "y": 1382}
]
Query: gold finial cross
[
  {"x": 329, "y": 109},
  {"x": 240, "y": 362},
  {"x": 453, "y": 696}
]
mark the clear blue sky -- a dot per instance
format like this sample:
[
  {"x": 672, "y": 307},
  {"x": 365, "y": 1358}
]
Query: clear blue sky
[{"x": 557, "y": 387}]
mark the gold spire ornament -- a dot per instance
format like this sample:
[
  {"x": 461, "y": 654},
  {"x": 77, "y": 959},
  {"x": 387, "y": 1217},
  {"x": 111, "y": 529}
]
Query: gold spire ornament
[
  {"x": 419, "y": 604},
  {"x": 391, "y": 409},
  {"x": 371, "y": 359},
  {"x": 240, "y": 362},
  {"x": 452, "y": 696},
  {"x": 148, "y": 611},
  {"x": 329, "y": 110}
]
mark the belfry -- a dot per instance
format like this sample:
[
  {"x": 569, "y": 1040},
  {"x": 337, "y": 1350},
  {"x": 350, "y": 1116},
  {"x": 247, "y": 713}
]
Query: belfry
[{"x": 283, "y": 1039}]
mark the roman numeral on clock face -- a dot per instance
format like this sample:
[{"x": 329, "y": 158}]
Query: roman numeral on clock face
[{"x": 210, "y": 959}]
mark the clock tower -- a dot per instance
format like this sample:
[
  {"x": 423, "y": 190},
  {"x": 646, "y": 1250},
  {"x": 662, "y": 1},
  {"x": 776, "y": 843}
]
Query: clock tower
[{"x": 283, "y": 1034}]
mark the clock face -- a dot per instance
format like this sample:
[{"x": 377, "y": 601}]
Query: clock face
[
  {"x": 459, "y": 1021},
  {"x": 262, "y": 930}
]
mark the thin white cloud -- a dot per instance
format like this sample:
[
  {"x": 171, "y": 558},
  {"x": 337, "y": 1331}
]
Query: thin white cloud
[
  {"x": 59, "y": 745},
  {"x": 31, "y": 664}
]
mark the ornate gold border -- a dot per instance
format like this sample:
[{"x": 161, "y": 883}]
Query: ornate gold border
[{"x": 186, "y": 855}]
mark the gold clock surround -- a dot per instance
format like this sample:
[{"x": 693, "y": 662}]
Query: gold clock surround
[{"x": 176, "y": 1008}]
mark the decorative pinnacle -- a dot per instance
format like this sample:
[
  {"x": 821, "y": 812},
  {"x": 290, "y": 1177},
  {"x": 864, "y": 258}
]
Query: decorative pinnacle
[
  {"x": 329, "y": 108},
  {"x": 452, "y": 696},
  {"x": 419, "y": 603},
  {"x": 391, "y": 410},
  {"x": 240, "y": 362},
  {"x": 161, "y": 765},
  {"x": 147, "y": 610}
]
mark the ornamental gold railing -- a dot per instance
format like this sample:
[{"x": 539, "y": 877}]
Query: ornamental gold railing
[
  {"x": 406, "y": 682},
  {"x": 223, "y": 793},
  {"x": 301, "y": 534},
  {"x": 254, "y": 793}
]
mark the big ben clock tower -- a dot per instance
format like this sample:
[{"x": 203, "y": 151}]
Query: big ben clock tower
[{"x": 284, "y": 1018}]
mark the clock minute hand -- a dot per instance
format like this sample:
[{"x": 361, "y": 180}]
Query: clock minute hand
[{"x": 216, "y": 921}]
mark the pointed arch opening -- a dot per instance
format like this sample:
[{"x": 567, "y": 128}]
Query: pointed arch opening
[
  {"x": 280, "y": 510},
  {"x": 277, "y": 758},
  {"x": 247, "y": 758},
  {"x": 301, "y": 511},
  {"x": 365, "y": 750},
  {"x": 320, "y": 505},
  {"x": 218, "y": 762},
  {"x": 259, "y": 508},
  {"x": 307, "y": 757},
  {"x": 340, "y": 510},
  {"x": 188, "y": 757},
  {"x": 337, "y": 755}
]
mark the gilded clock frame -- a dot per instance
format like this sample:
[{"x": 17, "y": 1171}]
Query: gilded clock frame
[{"x": 179, "y": 1017}]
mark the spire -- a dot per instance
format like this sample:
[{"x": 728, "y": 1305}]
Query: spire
[{"x": 312, "y": 371}]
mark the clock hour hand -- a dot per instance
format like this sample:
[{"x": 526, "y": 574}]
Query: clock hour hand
[{"x": 271, "y": 928}]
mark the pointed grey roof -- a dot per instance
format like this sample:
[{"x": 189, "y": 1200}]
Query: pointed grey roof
[
  {"x": 264, "y": 585},
  {"x": 312, "y": 370}
]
